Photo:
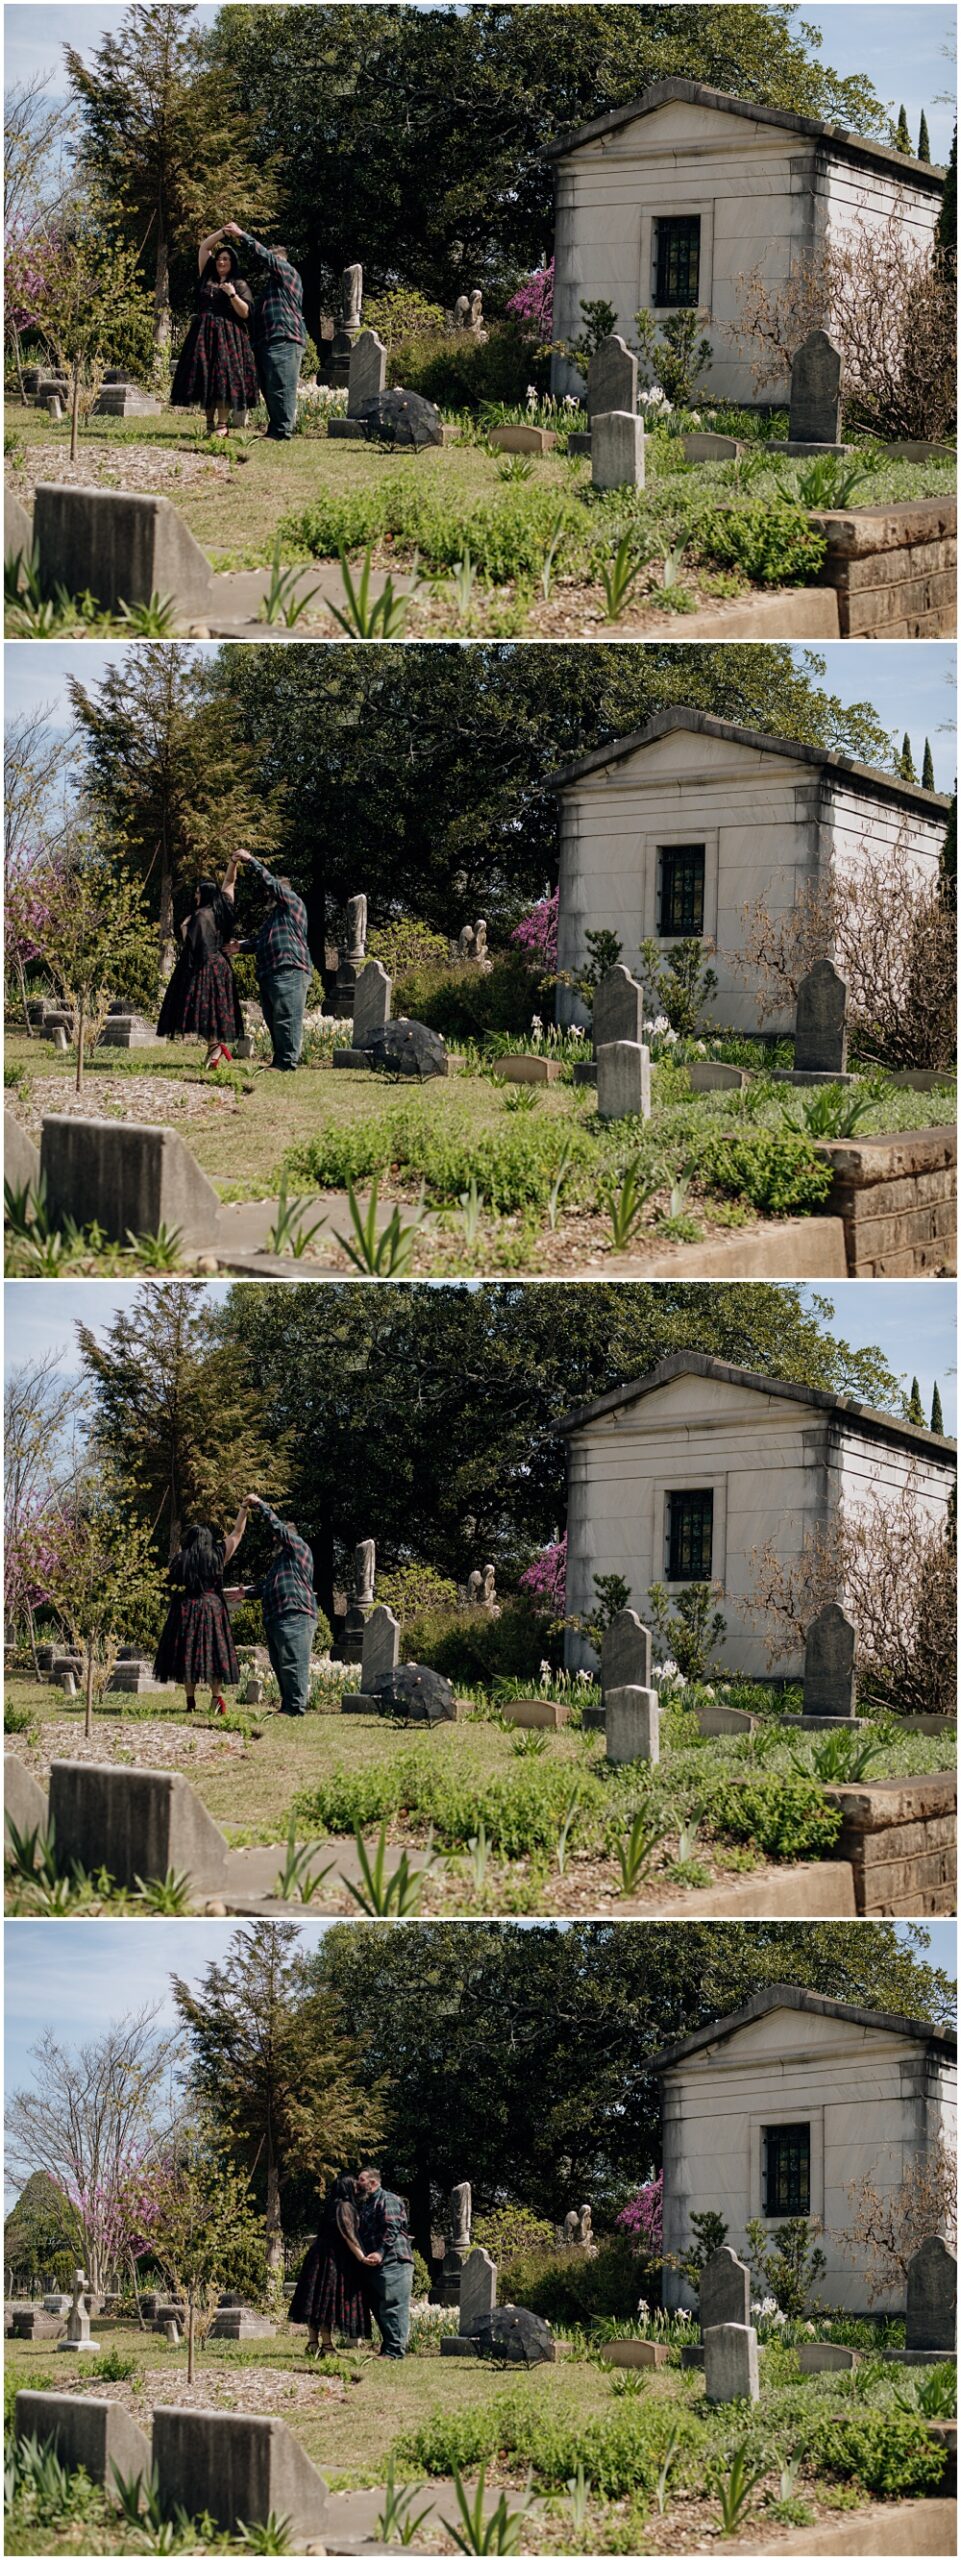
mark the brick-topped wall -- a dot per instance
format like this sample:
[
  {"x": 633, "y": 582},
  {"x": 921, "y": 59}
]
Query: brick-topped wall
[
  {"x": 899, "y": 1837},
  {"x": 894, "y": 569},
  {"x": 897, "y": 1199}
]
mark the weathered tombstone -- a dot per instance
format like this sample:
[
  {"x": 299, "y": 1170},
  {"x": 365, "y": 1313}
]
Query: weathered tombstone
[
  {"x": 815, "y": 411},
  {"x": 367, "y": 373},
  {"x": 725, "y": 2291},
  {"x": 21, "y": 1159},
  {"x": 611, "y": 378},
  {"x": 134, "y": 1822},
  {"x": 820, "y": 1031},
  {"x": 66, "y": 1682},
  {"x": 626, "y": 1653},
  {"x": 24, "y": 1801},
  {"x": 478, "y": 2290},
  {"x": 371, "y": 1002},
  {"x": 618, "y": 1009},
  {"x": 95, "y": 2436},
  {"x": 130, "y": 1178},
  {"x": 730, "y": 2362},
  {"x": 78, "y": 2341},
  {"x": 122, "y": 546},
  {"x": 238, "y": 2469},
  {"x": 365, "y": 1566},
  {"x": 623, "y": 1081},
  {"x": 60, "y": 1040},
  {"x": 353, "y": 295},
  {"x": 380, "y": 1651},
  {"x": 58, "y": 2304},
  {"x": 235, "y": 2319},
  {"x": 617, "y": 450},
  {"x": 356, "y": 929},
  {"x": 253, "y": 1690},
  {"x": 168, "y": 2329},
  {"x": 632, "y": 1725},
  {"x": 932, "y": 2297},
  {"x": 830, "y": 1676}
]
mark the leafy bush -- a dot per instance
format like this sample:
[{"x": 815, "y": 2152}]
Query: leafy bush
[
  {"x": 458, "y": 371},
  {"x": 888, "y": 2451},
  {"x": 514, "y": 1166},
  {"x": 787, "y": 2263},
  {"x": 779, "y": 1172},
  {"x": 687, "y": 1625},
  {"x": 413, "y": 1587},
  {"x": 421, "y": 2287},
  {"x": 682, "y": 986},
  {"x": 509, "y": 2229},
  {"x": 463, "y": 1002},
  {"x": 113, "y": 2366},
  {"x": 772, "y": 540},
  {"x": 507, "y": 535},
  {"x": 406, "y": 944},
  {"x": 521, "y": 1810},
  {"x": 17, "y": 1718},
  {"x": 709, "y": 2233},
  {"x": 567, "y": 2287},
  {"x": 673, "y": 354},
  {"x": 474, "y": 1649},
  {"x": 786, "y": 1818},
  {"x": 619, "y": 2453},
  {"x": 401, "y": 314}
]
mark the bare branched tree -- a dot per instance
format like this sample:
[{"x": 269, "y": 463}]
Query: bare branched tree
[
  {"x": 894, "y": 1569},
  {"x": 93, "y": 2119},
  {"x": 888, "y": 2223}
]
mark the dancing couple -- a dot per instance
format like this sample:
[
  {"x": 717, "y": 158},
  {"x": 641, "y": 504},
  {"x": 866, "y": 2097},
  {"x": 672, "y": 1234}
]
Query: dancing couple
[
  {"x": 361, "y": 2263},
  {"x": 197, "y": 1647},
  {"x": 201, "y": 999},
  {"x": 233, "y": 346}
]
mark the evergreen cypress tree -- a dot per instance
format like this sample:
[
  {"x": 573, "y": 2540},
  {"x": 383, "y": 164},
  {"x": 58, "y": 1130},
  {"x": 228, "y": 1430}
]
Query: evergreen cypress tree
[
  {"x": 949, "y": 858},
  {"x": 946, "y": 234},
  {"x": 937, "y": 1417},
  {"x": 915, "y": 1407},
  {"x": 906, "y": 761},
  {"x": 924, "y": 147},
  {"x": 902, "y": 138},
  {"x": 927, "y": 768}
]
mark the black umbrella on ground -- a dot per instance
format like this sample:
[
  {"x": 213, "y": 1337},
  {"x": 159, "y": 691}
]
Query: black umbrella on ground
[{"x": 401, "y": 418}]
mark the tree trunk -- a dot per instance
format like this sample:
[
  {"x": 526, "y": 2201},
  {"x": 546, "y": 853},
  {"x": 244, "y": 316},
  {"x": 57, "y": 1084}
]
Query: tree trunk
[
  {"x": 274, "y": 2232},
  {"x": 161, "y": 291},
  {"x": 33, "y": 1640},
  {"x": 190, "y": 2339},
  {"x": 80, "y": 1026},
  {"x": 75, "y": 412},
  {"x": 88, "y": 1696}
]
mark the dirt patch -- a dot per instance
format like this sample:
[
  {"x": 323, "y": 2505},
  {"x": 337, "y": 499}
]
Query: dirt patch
[
  {"x": 260, "y": 2390},
  {"x": 100, "y": 465},
  {"x": 150, "y": 1745},
  {"x": 147, "y": 1099}
]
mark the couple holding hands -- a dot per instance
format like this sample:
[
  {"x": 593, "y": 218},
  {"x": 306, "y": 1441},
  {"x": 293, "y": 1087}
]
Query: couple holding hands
[
  {"x": 234, "y": 347},
  {"x": 202, "y": 1000},
  {"x": 197, "y": 1647}
]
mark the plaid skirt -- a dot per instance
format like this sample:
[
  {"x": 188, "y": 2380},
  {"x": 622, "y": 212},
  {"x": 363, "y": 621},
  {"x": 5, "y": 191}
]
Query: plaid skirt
[
  {"x": 203, "y": 1001},
  {"x": 215, "y": 367},
  {"x": 197, "y": 1648},
  {"x": 329, "y": 2293}
]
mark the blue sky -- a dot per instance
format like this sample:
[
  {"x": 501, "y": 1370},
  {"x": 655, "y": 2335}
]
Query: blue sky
[
  {"x": 911, "y": 1321},
  {"x": 909, "y": 687},
  {"x": 907, "y": 52}
]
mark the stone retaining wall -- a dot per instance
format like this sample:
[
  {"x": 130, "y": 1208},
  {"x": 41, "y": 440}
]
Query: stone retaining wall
[
  {"x": 899, "y": 1837},
  {"x": 893, "y": 569},
  {"x": 897, "y": 1200}
]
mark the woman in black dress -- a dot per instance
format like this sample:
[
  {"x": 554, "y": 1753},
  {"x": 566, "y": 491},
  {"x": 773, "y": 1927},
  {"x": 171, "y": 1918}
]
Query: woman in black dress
[
  {"x": 202, "y": 994},
  {"x": 330, "y": 2292},
  {"x": 197, "y": 1646},
  {"x": 215, "y": 368}
]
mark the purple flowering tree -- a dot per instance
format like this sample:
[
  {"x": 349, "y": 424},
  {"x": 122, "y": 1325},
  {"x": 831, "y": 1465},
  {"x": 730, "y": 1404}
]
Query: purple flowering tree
[
  {"x": 643, "y": 2218},
  {"x": 532, "y": 306},
  {"x": 545, "y": 1580},
  {"x": 536, "y": 934}
]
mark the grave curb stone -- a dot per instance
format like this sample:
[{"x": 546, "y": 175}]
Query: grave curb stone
[
  {"x": 238, "y": 2469},
  {"x": 127, "y": 1176},
  {"x": 125, "y": 547},
  {"x": 21, "y": 1159},
  {"x": 135, "y": 1822},
  {"x": 89, "y": 2434}
]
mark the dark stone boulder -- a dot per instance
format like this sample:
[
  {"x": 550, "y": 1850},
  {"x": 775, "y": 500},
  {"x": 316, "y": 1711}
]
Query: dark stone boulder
[
  {"x": 406, "y": 1049},
  {"x": 402, "y": 418},
  {"x": 416, "y": 1692},
  {"x": 515, "y": 2337}
]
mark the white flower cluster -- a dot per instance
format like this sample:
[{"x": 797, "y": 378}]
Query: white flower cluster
[
  {"x": 321, "y": 396},
  {"x": 655, "y": 399},
  {"x": 768, "y": 2310},
  {"x": 660, "y": 1034}
]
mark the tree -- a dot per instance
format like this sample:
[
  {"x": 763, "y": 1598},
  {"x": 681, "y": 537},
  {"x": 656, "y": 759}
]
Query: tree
[
  {"x": 41, "y": 2238},
  {"x": 95, "y": 2117},
  {"x": 906, "y": 761},
  {"x": 949, "y": 860},
  {"x": 937, "y": 1417},
  {"x": 891, "y": 936},
  {"x": 38, "y": 134},
  {"x": 280, "y": 2077},
  {"x": 79, "y": 915},
  {"x": 882, "y": 296},
  {"x": 33, "y": 764},
  {"x": 946, "y": 235},
  {"x": 927, "y": 768},
  {"x": 164, "y": 765},
  {"x": 902, "y": 133},
  {"x": 97, "y": 1573},
  {"x": 40, "y": 1461},
  {"x": 914, "y": 1410},
  {"x": 199, "y": 2220},
  {"x": 888, "y": 2223},
  {"x": 166, "y": 1386},
  {"x": 168, "y": 140},
  {"x": 924, "y": 146},
  {"x": 433, "y": 1412},
  {"x": 75, "y": 282},
  {"x": 895, "y": 1571}
]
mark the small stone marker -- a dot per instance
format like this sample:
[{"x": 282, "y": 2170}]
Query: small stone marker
[
  {"x": 815, "y": 411},
  {"x": 618, "y": 1009},
  {"x": 830, "y": 1679},
  {"x": 932, "y": 2297},
  {"x": 478, "y": 2290},
  {"x": 371, "y": 1002},
  {"x": 66, "y": 1682},
  {"x": 380, "y": 1651},
  {"x": 617, "y": 451},
  {"x": 626, "y": 1653},
  {"x": 60, "y": 1040},
  {"x": 820, "y": 1032},
  {"x": 367, "y": 371},
  {"x": 820, "y": 2355},
  {"x": 623, "y": 1081},
  {"x": 78, "y": 2341},
  {"x": 730, "y": 2362},
  {"x": 612, "y": 379},
  {"x": 632, "y": 1725},
  {"x": 725, "y": 2291}
]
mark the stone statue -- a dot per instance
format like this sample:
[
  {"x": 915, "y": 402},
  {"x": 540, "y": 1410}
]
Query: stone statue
[
  {"x": 462, "y": 312},
  {"x": 488, "y": 1592},
  {"x": 476, "y": 320},
  {"x": 465, "y": 942},
  {"x": 356, "y": 928},
  {"x": 353, "y": 283},
  {"x": 585, "y": 2227},
  {"x": 365, "y": 1557},
  {"x": 460, "y": 2216},
  {"x": 571, "y": 2229},
  {"x": 475, "y": 1584},
  {"x": 480, "y": 939}
]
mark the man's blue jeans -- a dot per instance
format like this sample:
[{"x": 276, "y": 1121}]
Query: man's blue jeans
[
  {"x": 390, "y": 2292},
  {"x": 278, "y": 373},
  {"x": 289, "y": 1640},
  {"x": 283, "y": 997}
]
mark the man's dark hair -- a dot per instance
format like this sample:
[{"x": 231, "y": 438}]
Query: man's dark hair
[{"x": 277, "y": 249}]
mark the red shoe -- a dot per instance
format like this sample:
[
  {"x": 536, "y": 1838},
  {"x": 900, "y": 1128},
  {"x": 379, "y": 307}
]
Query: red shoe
[{"x": 219, "y": 1706}]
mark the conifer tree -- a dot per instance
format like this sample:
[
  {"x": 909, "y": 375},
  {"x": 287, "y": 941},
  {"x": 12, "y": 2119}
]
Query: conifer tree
[
  {"x": 924, "y": 147},
  {"x": 946, "y": 234},
  {"x": 937, "y": 1417},
  {"x": 915, "y": 1411},
  {"x": 906, "y": 761},
  {"x": 927, "y": 768},
  {"x": 902, "y": 138}
]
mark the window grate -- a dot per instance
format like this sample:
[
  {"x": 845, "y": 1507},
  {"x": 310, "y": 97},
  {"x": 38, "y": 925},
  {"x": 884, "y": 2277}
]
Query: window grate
[
  {"x": 678, "y": 261},
  {"x": 690, "y": 1536},
  {"x": 787, "y": 2169},
  {"x": 682, "y": 890}
]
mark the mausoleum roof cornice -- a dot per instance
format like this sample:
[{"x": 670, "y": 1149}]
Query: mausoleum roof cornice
[
  {"x": 682, "y": 715},
  {"x": 837, "y": 138},
  {"x": 701, "y": 1364},
  {"x": 791, "y": 1995}
]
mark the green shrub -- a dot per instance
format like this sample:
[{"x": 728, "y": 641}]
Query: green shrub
[
  {"x": 673, "y": 354},
  {"x": 522, "y": 1809},
  {"x": 458, "y": 371},
  {"x": 786, "y": 1818},
  {"x": 246, "y": 1622},
  {"x": 463, "y": 1002},
  {"x": 17, "y": 1718},
  {"x": 773, "y": 541},
  {"x": 407, "y": 944},
  {"x": 509, "y": 2229},
  {"x": 787, "y": 2263},
  {"x": 888, "y": 2451},
  {"x": 688, "y": 1625},
  {"x": 473, "y": 1649},
  {"x": 508, "y": 535},
  {"x": 514, "y": 1166},
  {"x": 415, "y": 1587},
  {"x": 619, "y": 2453},
  {"x": 778, "y": 1172},
  {"x": 568, "y": 2288},
  {"x": 421, "y": 2286},
  {"x": 113, "y": 2366}
]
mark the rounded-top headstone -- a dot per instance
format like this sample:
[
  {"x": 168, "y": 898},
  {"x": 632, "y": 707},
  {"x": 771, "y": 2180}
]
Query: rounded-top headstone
[
  {"x": 932, "y": 2297},
  {"x": 830, "y": 1678},
  {"x": 725, "y": 2291},
  {"x": 820, "y": 1032},
  {"x": 626, "y": 1653},
  {"x": 618, "y": 1012},
  {"x": 815, "y": 404},
  {"x": 611, "y": 377}
]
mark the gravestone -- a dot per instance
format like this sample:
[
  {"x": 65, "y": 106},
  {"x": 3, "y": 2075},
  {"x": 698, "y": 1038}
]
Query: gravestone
[
  {"x": 95, "y": 2436},
  {"x": 632, "y": 1725},
  {"x": 830, "y": 1676},
  {"x": 623, "y": 1081},
  {"x": 617, "y": 450},
  {"x": 238, "y": 2469},
  {"x": 67, "y": 1682},
  {"x": 60, "y": 1040},
  {"x": 820, "y": 1032},
  {"x": 730, "y": 2362},
  {"x": 626, "y": 1653},
  {"x": 120, "y": 545},
  {"x": 77, "y": 2340},
  {"x": 725, "y": 2291},
  {"x": 380, "y": 1650},
  {"x": 932, "y": 2297},
  {"x": 367, "y": 372},
  {"x": 478, "y": 2290},
  {"x": 252, "y": 1692},
  {"x": 815, "y": 411},
  {"x": 36, "y": 2323},
  {"x": 618, "y": 1009},
  {"x": 371, "y": 1002},
  {"x": 611, "y": 378},
  {"x": 461, "y": 2207},
  {"x": 21, "y": 1159},
  {"x": 134, "y": 1822},
  {"x": 24, "y": 1801},
  {"x": 235, "y": 2319},
  {"x": 58, "y": 2304},
  {"x": 132, "y": 1179}
]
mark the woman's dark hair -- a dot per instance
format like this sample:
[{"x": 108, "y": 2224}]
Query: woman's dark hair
[
  {"x": 209, "y": 895},
  {"x": 341, "y": 2190},
  {"x": 200, "y": 1560},
  {"x": 210, "y": 275}
]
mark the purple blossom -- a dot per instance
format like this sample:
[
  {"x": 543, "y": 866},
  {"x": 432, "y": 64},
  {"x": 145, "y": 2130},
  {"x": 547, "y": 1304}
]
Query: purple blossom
[
  {"x": 536, "y": 934},
  {"x": 643, "y": 2217},
  {"x": 532, "y": 306},
  {"x": 545, "y": 1580}
]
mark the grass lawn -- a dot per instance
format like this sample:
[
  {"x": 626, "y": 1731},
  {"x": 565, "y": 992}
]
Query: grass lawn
[
  {"x": 531, "y": 2429},
  {"x": 534, "y": 537},
  {"x": 492, "y": 1803},
  {"x": 549, "y": 1175}
]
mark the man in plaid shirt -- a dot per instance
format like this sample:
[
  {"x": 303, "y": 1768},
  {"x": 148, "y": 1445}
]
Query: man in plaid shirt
[
  {"x": 282, "y": 960},
  {"x": 389, "y": 2260},
  {"x": 279, "y": 335},
  {"x": 286, "y": 1595}
]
